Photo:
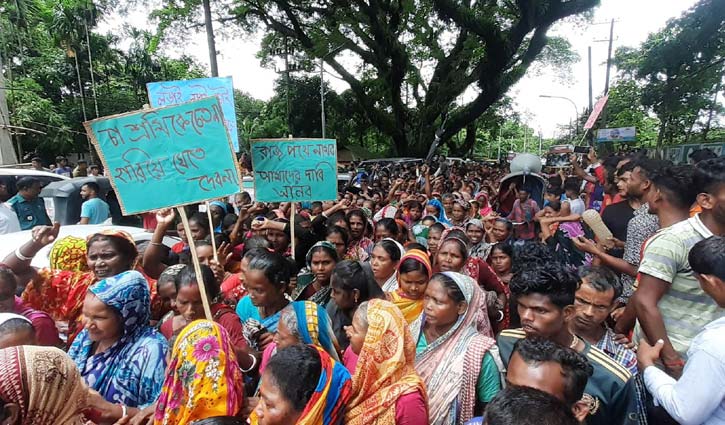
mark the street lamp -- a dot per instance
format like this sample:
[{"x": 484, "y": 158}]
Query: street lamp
[{"x": 576, "y": 110}]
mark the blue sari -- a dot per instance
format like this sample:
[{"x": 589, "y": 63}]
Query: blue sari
[
  {"x": 132, "y": 370},
  {"x": 252, "y": 321}
]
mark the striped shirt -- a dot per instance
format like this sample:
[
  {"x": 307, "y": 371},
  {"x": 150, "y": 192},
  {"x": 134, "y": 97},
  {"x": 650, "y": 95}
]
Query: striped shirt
[
  {"x": 685, "y": 307},
  {"x": 618, "y": 352},
  {"x": 640, "y": 228}
]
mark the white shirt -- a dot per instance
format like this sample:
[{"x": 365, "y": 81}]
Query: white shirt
[
  {"x": 699, "y": 396},
  {"x": 8, "y": 220}
]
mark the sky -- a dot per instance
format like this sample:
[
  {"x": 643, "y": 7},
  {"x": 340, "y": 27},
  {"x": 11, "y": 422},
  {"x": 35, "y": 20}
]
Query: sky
[{"x": 634, "y": 20}]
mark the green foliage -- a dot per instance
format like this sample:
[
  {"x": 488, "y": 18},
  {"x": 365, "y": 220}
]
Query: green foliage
[
  {"x": 407, "y": 62},
  {"x": 675, "y": 74},
  {"x": 45, "y": 53}
]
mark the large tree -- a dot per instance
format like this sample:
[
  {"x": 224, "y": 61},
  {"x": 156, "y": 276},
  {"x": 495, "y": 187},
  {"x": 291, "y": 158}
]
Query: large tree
[
  {"x": 678, "y": 72},
  {"x": 410, "y": 63}
]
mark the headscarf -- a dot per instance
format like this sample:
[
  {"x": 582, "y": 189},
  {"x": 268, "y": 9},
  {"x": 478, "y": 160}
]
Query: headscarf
[
  {"x": 450, "y": 365},
  {"x": 44, "y": 383},
  {"x": 323, "y": 295},
  {"x": 315, "y": 327},
  {"x": 482, "y": 249},
  {"x": 441, "y": 217},
  {"x": 484, "y": 207},
  {"x": 203, "y": 379},
  {"x": 69, "y": 254},
  {"x": 385, "y": 369},
  {"x": 412, "y": 309},
  {"x": 327, "y": 404},
  {"x": 385, "y": 212},
  {"x": 131, "y": 371}
]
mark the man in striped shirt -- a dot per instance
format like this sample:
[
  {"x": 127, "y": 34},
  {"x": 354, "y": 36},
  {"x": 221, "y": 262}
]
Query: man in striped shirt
[{"x": 669, "y": 303}]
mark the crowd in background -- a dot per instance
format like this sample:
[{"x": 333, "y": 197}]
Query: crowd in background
[{"x": 427, "y": 293}]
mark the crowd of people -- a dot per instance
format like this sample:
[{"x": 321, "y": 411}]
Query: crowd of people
[{"x": 441, "y": 293}]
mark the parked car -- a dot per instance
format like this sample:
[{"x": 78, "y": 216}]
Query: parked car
[
  {"x": 10, "y": 241},
  {"x": 45, "y": 177}
]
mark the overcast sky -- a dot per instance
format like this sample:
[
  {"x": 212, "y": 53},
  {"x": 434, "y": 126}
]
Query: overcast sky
[{"x": 635, "y": 19}]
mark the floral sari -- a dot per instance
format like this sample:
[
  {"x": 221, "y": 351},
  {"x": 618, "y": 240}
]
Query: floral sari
[
  {"x": 385, "y": 369},
  {"x": 203, "y": 379}
]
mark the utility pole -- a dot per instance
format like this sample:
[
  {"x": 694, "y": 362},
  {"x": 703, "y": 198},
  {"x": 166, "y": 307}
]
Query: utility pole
[
  {"x": 590, "y": 80},
  {"x": 286, "y": 89},
  {"x": 7, "y": 153},
  {"x": 322, "y": 95},
  {"x": 210, "y": 38},
  {"x": 609, "y": 56}
]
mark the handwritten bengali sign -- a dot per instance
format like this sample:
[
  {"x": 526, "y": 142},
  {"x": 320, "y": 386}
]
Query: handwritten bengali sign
[
  {"x": 295, "y": 170},
  {"x": 169, "y": 93},
  {"x": 167, "y": 157}
]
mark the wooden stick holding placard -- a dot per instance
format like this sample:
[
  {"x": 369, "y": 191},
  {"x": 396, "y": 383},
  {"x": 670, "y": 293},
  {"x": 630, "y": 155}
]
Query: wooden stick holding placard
[
  {"x": 211, "y": 228},
  {"x": 195, "y": 261},
  {"x": 292, "y": 228}
]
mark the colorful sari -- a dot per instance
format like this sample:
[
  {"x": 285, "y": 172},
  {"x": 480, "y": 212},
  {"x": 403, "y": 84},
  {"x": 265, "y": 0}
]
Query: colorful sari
[
  {"x": 451, "y": 364},
  {"x": 45, "y": 385},
  {"x": 359, "y": 250},
  {"x": 131, "y": 371},
  {"x": 385, "y": 369},
  {"x": 313, "y": 327},
  {"x": 327, "y": 404},
  {"x": 61, "y": 289},
  {"x": 441, "y": 217},
  {"x": 203, "y": 379},
  {"x": 412, "y": 309}
]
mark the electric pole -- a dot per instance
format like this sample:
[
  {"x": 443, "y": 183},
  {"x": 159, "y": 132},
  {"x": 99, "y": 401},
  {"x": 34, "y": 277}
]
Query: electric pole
[
  {"x": 210, "y": 38},
  {"x": 609, "y": 56},
  {"x": 590, "y": 80}
]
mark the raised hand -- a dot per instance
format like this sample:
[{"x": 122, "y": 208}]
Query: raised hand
[{"x": 45, "y": 235}]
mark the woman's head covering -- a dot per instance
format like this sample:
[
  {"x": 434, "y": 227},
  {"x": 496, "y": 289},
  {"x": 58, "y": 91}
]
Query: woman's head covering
[
  {"x": 131, "y": 371},
  {"x": 314, "y": 326},
  {"x": 203, "y": 378},
  {"x": 328, "y": 245},
  {"x": 385, "y": 212},
  {"x": 484, "y": 207},
  {"x": 475, "y": 223},
  {"x": 128, "y": 294},
  {"x": 444, "y": 363},
  {"x": 69, "y": 254},
  {"x": 44, "y": 383},
  {"x": 327, "y": 404},
  {"x": 419, "y": 256},
  {"x": 385, "y": 369},
  {"x": 441, "y": 217},
  {"x": 119, "y": 234}
]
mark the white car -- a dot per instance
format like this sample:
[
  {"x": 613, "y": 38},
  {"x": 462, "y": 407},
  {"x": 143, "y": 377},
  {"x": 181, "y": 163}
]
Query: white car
[
  {"x": 45, "y": 178},
  {"x": 9, "y": 242}
]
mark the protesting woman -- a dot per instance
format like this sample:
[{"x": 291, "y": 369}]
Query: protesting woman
[
  {"x": 314, "y": 283},
  {"x": 414, "y": 272},
  {"x": 384, "y": 262},
  {"x": 386, "y": 388},
  {"x": 453, "y": 356},
  {"x": 118, "y": 353},
  {"x": 203, "y": 379}
]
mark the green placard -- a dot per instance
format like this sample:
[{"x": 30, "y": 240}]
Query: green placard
[
  {"x": 166, "y": 157},
  {"x": 287, "y": 170}
]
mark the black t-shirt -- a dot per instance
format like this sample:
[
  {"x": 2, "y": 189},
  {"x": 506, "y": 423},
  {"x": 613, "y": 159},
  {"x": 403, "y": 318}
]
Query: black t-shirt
[{"x": 616, "y": 217}]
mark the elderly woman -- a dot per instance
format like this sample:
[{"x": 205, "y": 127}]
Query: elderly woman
[
  {"x": 75, "y": 264},
  {"x": 203, "y": 379},
  {"x": 41, "y": 386},
  {"x": 118, "y": 353},
  {"x": 315, "y": 394},
  {"x": 453, "y": 354},
  {"x": 385, "y": 386},
  {"x": 302, "y": 322}
]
